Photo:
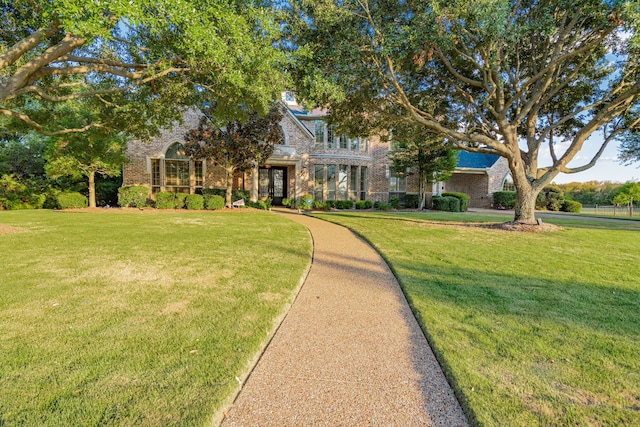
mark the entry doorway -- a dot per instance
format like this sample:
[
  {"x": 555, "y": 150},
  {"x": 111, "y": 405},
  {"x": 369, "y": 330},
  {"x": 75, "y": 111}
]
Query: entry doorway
[{"x": 272, "y": 183}]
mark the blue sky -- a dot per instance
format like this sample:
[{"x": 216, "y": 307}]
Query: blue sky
[{"x": 608, "y": 168}]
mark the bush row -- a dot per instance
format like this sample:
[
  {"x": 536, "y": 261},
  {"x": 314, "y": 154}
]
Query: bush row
[
  {"x": 550, "y": 198},
  {"x": 451, "y": 202}
]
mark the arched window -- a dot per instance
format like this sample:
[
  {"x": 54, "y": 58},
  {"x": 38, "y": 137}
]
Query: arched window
[
  {"x": 176, "y": 171},
  {"x": 507, "y": 184}
]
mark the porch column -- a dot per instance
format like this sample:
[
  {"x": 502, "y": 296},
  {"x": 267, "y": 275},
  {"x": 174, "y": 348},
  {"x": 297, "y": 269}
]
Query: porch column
[
  {"x": 254, "y": 183},
  {"x": 298, "y": 171}
]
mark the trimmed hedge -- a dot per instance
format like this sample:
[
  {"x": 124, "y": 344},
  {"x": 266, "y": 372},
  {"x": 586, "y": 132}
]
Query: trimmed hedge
[
  {"x": 504, "y": 199},
  {"x": 463, "y": 197},
  {"x": 364, "y": 204},
  {"x": 165, "y": 200},
  {"x": 344, "y": 204},
  {"x": 71, "y": 200},
  {"x": 571, "y": 206},
  {"x": 411, "y": 201},
  {"x": 449, "y": 204},
  {"x": 330, "y": 204},
  {"x": 195, "y": 202},
  {"x": 222, "y": 192},
  {"x": 213, "y": 202},
  {"x": 181, "y": 200},
  {"x": 133, "y": 196},
  {"x": 382, "y": 206}
]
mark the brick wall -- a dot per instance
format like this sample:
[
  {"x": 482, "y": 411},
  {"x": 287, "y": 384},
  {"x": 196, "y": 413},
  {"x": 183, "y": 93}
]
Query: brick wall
[{"x": 473, "y": 184}]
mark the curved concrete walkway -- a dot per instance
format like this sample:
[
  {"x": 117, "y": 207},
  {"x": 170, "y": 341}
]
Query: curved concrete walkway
[{"x": 349, "y": 352}]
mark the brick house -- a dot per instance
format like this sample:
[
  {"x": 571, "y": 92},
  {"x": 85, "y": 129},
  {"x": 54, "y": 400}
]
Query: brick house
[{"x": 312, "y": 160}]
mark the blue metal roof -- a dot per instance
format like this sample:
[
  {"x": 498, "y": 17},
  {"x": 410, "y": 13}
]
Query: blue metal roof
[{"x": 476, "y": 160}]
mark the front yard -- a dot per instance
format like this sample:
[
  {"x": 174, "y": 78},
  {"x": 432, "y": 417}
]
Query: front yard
[
  {"x": 137, "y": 318},
  {"x": 532, "y": 329}
]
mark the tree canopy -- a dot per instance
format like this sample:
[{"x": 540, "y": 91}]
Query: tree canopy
[
  {"x": 143, "y": 59},
  {"x": 514, "y": 77}
]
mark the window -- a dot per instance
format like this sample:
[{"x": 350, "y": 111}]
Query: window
[
  {"x": 353, "y": 183},
  {"x": 319, "y": 131},
  {"x": 177, "y": 172},
  {"x": 318, "y": 183},
  {"x": 331, "y": 141},
  {"x": 363, "y": 183},
  {"x": 342, "y": 182},
  {"x": 331, "y": 182},
  {"x": 508, "y": 185},
  {"x": 397, "y": 185}
]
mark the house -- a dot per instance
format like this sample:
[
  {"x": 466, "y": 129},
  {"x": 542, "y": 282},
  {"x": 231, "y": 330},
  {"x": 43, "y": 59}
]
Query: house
[{"x": 313, "y": 160}]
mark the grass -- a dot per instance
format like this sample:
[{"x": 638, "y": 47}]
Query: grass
[
  {"x": 137, "y": 319},
  {"x": 531, "y": 328}
]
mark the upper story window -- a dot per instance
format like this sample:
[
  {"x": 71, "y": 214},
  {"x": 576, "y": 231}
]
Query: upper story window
[{"x": 327, "y": 137}]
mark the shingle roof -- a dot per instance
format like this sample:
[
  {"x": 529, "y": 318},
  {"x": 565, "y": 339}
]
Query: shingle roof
[{"x": 476, "y": 160}]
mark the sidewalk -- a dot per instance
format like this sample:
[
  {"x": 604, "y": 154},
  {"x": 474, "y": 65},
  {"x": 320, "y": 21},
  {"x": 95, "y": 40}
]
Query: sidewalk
[{"x": 349, "y": 351}]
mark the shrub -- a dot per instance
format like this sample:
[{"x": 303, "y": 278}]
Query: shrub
[
  {"x": 195, "y": 202},
  {"x": 551, "y": 198},
  {"x": 411, "y": 201},
  {"x": 382, "y": 206},
  {"x": 448, "y": 203},
  {"x": 181, "y": 200},
  {"x": 165, "y": 200},
  {"x": 288, "y": 203},
  {"x": 502, "y": 199},
  {"x": 213, "y": 201},
  {"x": 344, "y": 204},
  {"x": 363, "y": 204},
  {"x": 329, "y": 204},
  {"x": 394, "y": 202},
  {"x": 318, "y": 205},
  {"x": 571, "y": 206},
  {"x": 306, "y": 202},
  {"x": 463, "y": 197},
  {"x": 135, "y": 195},
  {"x": 71, "y": 200}
]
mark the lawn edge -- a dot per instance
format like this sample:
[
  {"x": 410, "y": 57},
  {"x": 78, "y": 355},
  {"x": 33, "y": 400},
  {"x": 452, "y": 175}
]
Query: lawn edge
[{"x": 220, "y": 414}]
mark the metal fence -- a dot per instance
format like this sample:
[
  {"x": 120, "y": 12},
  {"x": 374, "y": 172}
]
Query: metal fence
[{"x": 611, "y": 210}]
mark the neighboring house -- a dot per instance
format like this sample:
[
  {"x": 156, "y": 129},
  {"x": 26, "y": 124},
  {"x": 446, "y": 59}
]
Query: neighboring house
[{"x": 312, "y": 160}]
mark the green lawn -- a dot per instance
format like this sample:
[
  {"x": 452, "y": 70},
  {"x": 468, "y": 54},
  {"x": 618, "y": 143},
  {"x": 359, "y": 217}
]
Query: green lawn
[
  {"x": 143, "y": 319},
  {"x": 531, "y": 328}
]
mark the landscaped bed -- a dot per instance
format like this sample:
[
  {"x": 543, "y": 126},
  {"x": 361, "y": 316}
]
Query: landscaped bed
[
  {"x": 125, "y": 318},
  {"x": 531, "y": 328}
]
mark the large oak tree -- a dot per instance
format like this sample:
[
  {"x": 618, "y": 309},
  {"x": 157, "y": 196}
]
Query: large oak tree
[
  {"x": 515, "y": 77},
  {"x": 145, "y": 59}
]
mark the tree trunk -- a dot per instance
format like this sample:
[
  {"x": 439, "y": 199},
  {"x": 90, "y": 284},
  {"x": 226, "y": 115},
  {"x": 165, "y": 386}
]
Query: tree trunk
[
  {"x": 422, "y": 195},
  {"x": 229, "y": 176},
  {"x": 92, "y": 189},
  {"x": 526, "y": 197}
]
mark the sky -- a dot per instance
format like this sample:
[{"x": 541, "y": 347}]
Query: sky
[{"x": 607, "y": 168}]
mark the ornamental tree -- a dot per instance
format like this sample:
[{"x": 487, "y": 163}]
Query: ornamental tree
[
  {"x": 238, "y": 145},
  {"x": 425, "y": 154},
  {"x": 98, "y": 150},
  {"x": 143, "y": 59},
  {"x": 515, "y": 77}
]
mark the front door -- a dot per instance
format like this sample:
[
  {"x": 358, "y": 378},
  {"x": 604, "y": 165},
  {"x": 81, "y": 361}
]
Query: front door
[{"x": 272, "y": 183}]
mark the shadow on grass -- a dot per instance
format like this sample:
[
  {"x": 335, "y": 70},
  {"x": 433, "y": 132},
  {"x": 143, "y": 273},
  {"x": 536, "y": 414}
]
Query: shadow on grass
[
  {"x": 544, "y": 317},
  {"x": 475, "y": 219}
]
